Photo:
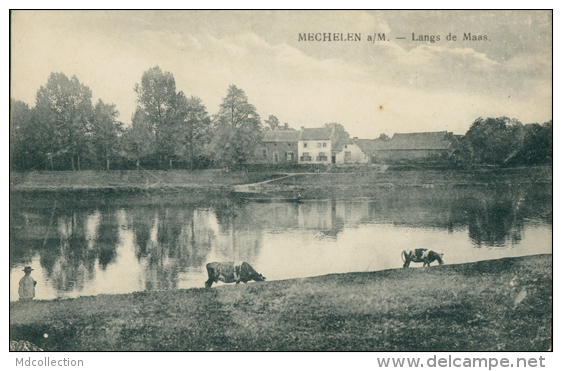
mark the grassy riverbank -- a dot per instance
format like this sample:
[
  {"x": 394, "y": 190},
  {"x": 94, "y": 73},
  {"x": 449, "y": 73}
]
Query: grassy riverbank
[
  {"x": 359, "y": 181},
  {"x": 493, "y": 305},
  {"x": 133, "y": 180}
]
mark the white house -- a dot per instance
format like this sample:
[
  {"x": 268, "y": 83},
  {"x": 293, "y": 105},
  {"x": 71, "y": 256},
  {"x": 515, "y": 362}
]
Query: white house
[
  {"x": 315, "y": 146},
  {"x": 346, "y": 151}
]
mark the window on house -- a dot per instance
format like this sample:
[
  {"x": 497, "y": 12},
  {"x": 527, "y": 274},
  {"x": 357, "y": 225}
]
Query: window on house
[
  {"x": 289, "y": 156},
  {"x": 322, "y": 157},
  {"x": 305, "y": 144},
  {"x": 306, "y": 157},
  {"x": 319, "y": 144},
  {"x": 324, "y": 144},
  {"x": 264, "y": 152}
]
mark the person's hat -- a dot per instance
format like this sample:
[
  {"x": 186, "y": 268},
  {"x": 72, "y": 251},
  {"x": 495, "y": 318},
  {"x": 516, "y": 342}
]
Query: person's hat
[{"x": 27, "y": 269}]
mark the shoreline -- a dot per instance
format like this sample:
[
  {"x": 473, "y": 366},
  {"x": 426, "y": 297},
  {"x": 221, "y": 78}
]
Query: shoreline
[
  {"x": 343, "y": 180},
  {"x": 447, "y": 308}
]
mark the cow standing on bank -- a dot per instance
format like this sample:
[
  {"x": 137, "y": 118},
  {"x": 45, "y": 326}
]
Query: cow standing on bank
[
  {"x": 424, "y": 256},
  {"x": 229, "y": 272}
]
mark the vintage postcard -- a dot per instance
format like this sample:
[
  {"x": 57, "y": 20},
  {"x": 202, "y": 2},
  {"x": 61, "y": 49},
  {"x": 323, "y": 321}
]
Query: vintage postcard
[{"x": 281, "y": 181}]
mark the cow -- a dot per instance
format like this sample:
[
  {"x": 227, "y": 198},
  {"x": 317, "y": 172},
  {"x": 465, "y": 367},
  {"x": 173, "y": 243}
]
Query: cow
[
  {"x": 424, "y": 256},
  {"x": 229, "y": 272}
]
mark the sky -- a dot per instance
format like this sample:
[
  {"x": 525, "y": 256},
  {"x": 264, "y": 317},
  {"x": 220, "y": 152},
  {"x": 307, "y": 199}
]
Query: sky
[{"x": 398, "y": 85}]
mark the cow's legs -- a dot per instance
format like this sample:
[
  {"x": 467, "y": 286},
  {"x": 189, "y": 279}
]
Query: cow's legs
[{"x": 210, "y": 274}]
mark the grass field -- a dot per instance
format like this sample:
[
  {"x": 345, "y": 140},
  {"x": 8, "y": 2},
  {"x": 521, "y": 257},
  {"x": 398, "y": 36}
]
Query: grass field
[{"x": 492, "y": 305}]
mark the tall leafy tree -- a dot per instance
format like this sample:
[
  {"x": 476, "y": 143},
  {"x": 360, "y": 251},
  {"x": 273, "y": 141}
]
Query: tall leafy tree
[
  {"x": 237, "y": 128},
  {"x": 139, "y": 139},
  {"x": 105, "y": 131},
  {"x": 64, "y": 107},
  {"x": 273, "y": 123},
  {"x": 194, "y": 131},
  {"x": 22, "y": 143},
  {"x": 494, "y": 140},
  {"x": 157, "y": 97},
  {"x": 536, "y": 145}
]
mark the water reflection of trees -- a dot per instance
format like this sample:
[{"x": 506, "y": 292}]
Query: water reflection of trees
[
  {"x": 171, "y": 239},
  {"x": 86, "y": 238},
  {"x": 240, "y": 229},
  {"x": 493, "y": 216},
  {"x": 499, "y": 218},
  {"x": 70, "y": 242},
  {"x": 493, "y": 223}
]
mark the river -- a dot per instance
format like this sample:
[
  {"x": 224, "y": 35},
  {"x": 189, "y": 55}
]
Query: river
[{"x": 110, "y": 244}]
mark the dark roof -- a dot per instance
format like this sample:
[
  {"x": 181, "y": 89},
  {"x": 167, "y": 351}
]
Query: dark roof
[
  {"x": 316, "y": 134},
  {"x": 281, "y": 136},
  {"x": 418, "y": 141},
  {"x": 369, "y": 146},
  {"x": 340, "y": 143}
]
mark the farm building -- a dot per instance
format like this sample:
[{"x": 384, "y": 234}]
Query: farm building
[
  {"x": 411, "y": 146},
  {"x": 278, "y": 147},
  {"x": 321, "y": 146}
]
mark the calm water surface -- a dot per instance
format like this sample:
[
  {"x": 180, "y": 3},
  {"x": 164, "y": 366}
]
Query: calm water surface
[{"x": 120, "y": 244}]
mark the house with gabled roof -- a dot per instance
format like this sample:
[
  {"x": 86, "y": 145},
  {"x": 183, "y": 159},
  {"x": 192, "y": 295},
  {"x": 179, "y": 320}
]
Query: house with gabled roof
[
  {"x": 277, "y": 147},
  {"x": 369, "y": 147},
  {"x": 347, "y": 151},
  {"x": 315, "y": 145}
]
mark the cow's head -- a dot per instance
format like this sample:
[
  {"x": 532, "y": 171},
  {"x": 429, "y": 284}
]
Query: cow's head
[
  {"x": 259, "y": 278},
  {"x": 440, "y": 259}
]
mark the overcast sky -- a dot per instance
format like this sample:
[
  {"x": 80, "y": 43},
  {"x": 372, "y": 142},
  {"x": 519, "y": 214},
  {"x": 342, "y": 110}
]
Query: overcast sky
[{"x": 399, "y": 85}]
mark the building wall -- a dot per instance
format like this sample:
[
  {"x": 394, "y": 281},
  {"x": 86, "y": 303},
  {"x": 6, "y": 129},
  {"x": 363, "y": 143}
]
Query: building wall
[
  {"x": 277, "y": 153},
  {"x": 315, "y": 148},
  {"x": 351, "y": 154}
]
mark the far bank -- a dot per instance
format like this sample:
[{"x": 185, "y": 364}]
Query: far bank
[{"x": 333, "y": 180}]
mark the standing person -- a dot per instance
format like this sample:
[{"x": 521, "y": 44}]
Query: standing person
[{"x": 27, "y": 285}]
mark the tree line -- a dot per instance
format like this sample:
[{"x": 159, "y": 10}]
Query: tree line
[
  {"x": 507, "y": 142},
  {"x": 66, "y": 131},
  {"x": 168, "y": 130}
]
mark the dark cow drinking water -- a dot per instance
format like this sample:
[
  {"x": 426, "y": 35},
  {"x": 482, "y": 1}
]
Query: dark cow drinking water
[
  {"x": 424, "y": 256},
  {"x": 229, "y": 272}
]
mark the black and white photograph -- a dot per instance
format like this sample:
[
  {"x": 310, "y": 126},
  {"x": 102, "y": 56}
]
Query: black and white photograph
[{"x": 281, "y": 180}]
